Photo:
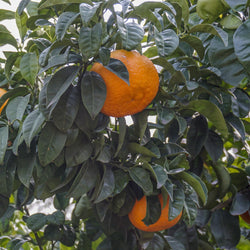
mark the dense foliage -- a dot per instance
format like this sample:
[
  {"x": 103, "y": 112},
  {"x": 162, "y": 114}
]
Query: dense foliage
[{"x": 191, "y": 143}]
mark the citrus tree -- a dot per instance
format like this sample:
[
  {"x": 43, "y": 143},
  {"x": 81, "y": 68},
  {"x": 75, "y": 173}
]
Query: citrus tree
[{"x": 175, "y": 175}]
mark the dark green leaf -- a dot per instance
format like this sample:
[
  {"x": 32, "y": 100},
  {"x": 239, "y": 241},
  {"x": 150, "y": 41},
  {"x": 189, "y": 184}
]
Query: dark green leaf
[
  {"x": 236, "y": 124},
  {"x": 160, "y": 174},
  {"x": 59, "y": 83},
  {"x": 211, "y": 112},
  {"x": 4, "y": 135},
  {"x": 140, "y": 123},
  {"x": 122, "y": 134},
  {"x": 121, "y": 180},
  {"x": 36, "y": 221},
  {"x": 32, "y": 125},
  {"x": 165, "y": 115},
  {"x": 197, "y": 135},
  {"x": 90, "y": 41},
  {"x": 11, "y": 60},
  {"x": 93, "y": 92},
  {"x": 57, "y": 218},
  {"x": 4, "y": 203},
  {"x": 63, "y": 23},
  {"x": 142, "y": 178},
  {"x": 50, "y": 143},
  {"x": 174, "y": 243},
  {"x": 29, "y": 67},
  {"x": 22, "y": 5},
  {"x": 79, "y": 151},
  {"x": 87, "y": 11},
  {"x": 83, "y": 208},
  {"x": 65, "y": 112},
  {"x": 242, "y": 44},
  {"x": 84, "y": 181},
  {"x": 153, "y": 211},
  {"x": 176, "y": 206},
  {"x": 174, "y": 149},
  {"x": 232, "y": 71},
  {"x": 69, "y": 236},
  {"x": 166, "y": 41},
  {"x": 225, "y": 229},
  {"x": 117, "y": 67},
  {"x": 107, "y": 185},
  {"x": 240, "y": 204},
  {"x": 25, "y": 166},
  {"x": 6, "y": 37},
  {"x": 243, "y": 103},
  {"x": 136, "y": 148},
  {"x": 131, "y": 34},
  {"x": 214, "y": 145},
  {"x": 52, "y": 232}
]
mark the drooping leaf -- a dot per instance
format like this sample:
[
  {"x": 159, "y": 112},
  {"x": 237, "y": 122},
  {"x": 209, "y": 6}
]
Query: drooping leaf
[
  {"x": 50, "y": 143},
  {"x": 66, "y": 110},
  {"x": 107, "y": 185},
  {"x": 6, "y": 37},
  {"x": 211, "y": 112},
  {"x": 59, "y": 83},
  {"x": 32, "y": 125},
  {"x": 29, "y": 67},
  {"x": 225, "y": 229},
  {"x": 4, "y": 135},
  {"x": 6, "y": 14},
  {"x": 242, "y": 103},
  {"x": 63, "y": 23},
  {"x": 90, "y": 41},
  {"x": 240, "y": 204},
  {"x": 93, "y": 92},
  {"x": 176, "y": 206},
  {"x": 142, "y": 178},
  {"x": 21, "y": 24}
]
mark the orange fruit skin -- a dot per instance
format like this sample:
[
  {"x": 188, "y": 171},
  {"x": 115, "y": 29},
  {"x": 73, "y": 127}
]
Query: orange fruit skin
[
  {"x": 138, "y": 213},
  {"x": 123, "y": 99},
  {"x": 2, "y": 92},
  {"x": 246, "y": 217}
]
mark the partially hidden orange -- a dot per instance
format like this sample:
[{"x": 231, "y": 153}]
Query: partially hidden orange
[
  {"x": 2, "y": 92},
  {"x": 123, "y": 99},
  {"x": 138, "y": 213}
]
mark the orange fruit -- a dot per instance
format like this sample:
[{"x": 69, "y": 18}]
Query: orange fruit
[
  {"x": 246, "y": 217},
  {"x": 138, "y": 213},
  {"x": 123, "y": 99},
  {"x": 2, "y": 92}
]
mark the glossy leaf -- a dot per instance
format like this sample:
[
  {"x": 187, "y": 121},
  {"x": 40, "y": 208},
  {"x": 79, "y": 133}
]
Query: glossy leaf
[
  {"x": 63, "y": 23},
  {"x": 22, "y": 5},
  {"x": 93, "y": 92},
  {"x": 36, "y": 221},
  {"x": 237, "y": 124},
  {"x": 240, "y": 204},
  {"x": 90, "y": 41},
  {"x": 32, "y": 125},
  {"x": 88, "y": 11},
  {"x": 50, "y": 143},
  {"x": 49, "y": 3},
  {"x": 29, "y": 67},
  {"x": 4, "y": 135},
  {"x": 174, "y": 149}
]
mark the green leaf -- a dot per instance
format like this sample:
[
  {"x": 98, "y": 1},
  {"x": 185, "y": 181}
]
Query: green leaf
[
  {"x": 84, "y": 181},
  {"x": 22, "y": 5},
  {"x": 121, "y": 180},
  {"x": 197, "y": 135},
  {"x": 49, "y": 3},
  {"x": 4, "y": 135},
  {"x": 88, "y": 11},
  {"x": 140, "y": 123},
  {"x": 21, "y": 24},
  {"x": 29, "y": 67},
  {"x": 131, "y": 34},
  {"x": 240, "y": 204},
  {"x": 211, "y": 29},
  {"x": 32, "y": 9},
  {"x": 59, "y": 83},
  {"x": 90, "y": 41},
  {"x": 174, "y": 149},
  {"x": 4, "y": 203},
  {"x": 25, "y": 168},
  {"x": 224, "y": 58},
  {"x": 136, "y": 148},
  {"x": 190, "y": 206},
  {"x": 122, "y": 134},
  {"x": 231, "y": 21},
  {"x": 36, "y": 221},
  {"x": 160, "y": 174},
  {"x": 174, "y": 243},
  {"x": 79, "y": 151},
  {"x": 166, "y": 41},
  {"x": 6, "y": 14},
  {"x": 93, "y": 92},
  {"x": 107, "y": 185},
  {"x": 142, "y": 178},
  {"x": 50, "y": 143},
  {"x": 63, "y": 23},
  {"x": 242, "y": 102},
  {"x": 32, "y": 125},
  {"x": 52, "y": 232},
  {"x": 57, "y": 218},
  {"x": 214, "y": 145},
  {"x": 211, "y": 112},
  {"x": 153, "y": 211},
  {"x": 225, "y": 229},
  {"x": 242, "y": 44},
  {"x": 6, "y": 37},
  {"x": 10, "y": 62},
  {"x": 237, "y": 124},
  {"x": 117, "y": 67},
  {"x": 16, "y": 108},
  {"x": 65, "y": 112},
  {"x": 176, "y": 205}
]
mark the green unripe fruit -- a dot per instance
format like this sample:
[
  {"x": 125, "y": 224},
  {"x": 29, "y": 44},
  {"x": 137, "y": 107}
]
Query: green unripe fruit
[{"x": 209, "y": 10}]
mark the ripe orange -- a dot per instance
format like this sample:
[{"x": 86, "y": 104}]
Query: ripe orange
[
  {"x": 246, "y": 217},
  {"x": 2, "y": 92},
  {"x": 123, "y": 99},
  {"x": 138, "y": 213}
]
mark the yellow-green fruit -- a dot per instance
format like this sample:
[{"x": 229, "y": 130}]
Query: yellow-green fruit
[{"x": 209, "y": 10}]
